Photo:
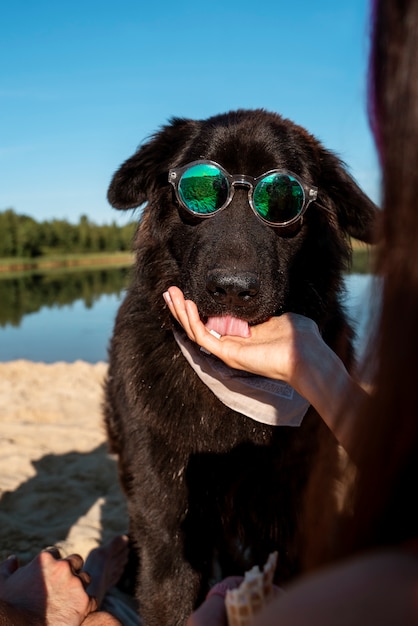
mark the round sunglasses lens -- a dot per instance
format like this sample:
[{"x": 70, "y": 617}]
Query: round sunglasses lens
[
  {"x": 203, "y": 188},
  {"x": 278, "y": 198}
]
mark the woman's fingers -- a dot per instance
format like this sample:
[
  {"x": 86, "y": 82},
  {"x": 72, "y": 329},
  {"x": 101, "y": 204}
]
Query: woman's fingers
[
  {"x": 184, "y": 311},
  {"x": 187, "y": 314},
  {"x": 175, "y": 301}
]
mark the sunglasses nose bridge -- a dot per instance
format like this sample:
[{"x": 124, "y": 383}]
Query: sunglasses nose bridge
[{"x": 241, "y": 181}]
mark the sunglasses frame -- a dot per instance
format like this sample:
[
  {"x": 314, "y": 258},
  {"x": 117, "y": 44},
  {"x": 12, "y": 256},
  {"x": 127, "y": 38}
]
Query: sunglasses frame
[{"x": 310, "y": 193}]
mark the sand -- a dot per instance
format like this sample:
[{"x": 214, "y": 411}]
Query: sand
[{"x": 58, "y": 484}]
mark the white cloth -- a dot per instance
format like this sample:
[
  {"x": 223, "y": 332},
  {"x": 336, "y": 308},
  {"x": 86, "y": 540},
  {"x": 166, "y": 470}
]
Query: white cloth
[{"x": 263, "y": 399}]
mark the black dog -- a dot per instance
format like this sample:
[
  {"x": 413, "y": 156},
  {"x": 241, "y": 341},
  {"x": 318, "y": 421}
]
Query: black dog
[{"x": 210, "y": 491}]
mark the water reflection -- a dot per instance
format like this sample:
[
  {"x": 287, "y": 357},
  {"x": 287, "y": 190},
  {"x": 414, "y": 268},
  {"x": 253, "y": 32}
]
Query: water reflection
[
  {"x": 27, "y": 293},
  {"x": 69, "y": 315},
  {"x": 60, "y": 315}
]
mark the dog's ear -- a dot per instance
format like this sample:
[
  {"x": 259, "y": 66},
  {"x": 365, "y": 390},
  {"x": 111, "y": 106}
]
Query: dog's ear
[
  {"x": 147, "y": 169},
  {"x": 356, "y": 213}
]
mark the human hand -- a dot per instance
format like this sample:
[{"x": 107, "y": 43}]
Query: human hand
[
  {"x": 49, "y": 588},
  {"x": 279, "y": 348},
  {"x": 289, "y": 348},
  {"x": 212, "y": 611}
]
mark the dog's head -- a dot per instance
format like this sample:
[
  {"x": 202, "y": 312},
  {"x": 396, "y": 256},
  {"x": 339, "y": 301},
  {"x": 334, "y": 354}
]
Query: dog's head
[{"x": 232, "y": 264}]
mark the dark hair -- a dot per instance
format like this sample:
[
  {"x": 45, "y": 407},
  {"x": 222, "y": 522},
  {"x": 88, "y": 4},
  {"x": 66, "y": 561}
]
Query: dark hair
[{"x": 383, "y": 507}]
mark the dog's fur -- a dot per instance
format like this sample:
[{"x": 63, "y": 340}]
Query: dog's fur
[{"x": 211, "y": 492}]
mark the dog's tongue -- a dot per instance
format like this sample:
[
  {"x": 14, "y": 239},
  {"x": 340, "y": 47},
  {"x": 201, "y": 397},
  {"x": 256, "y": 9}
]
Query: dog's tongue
[{"x": 228, "y": 325}]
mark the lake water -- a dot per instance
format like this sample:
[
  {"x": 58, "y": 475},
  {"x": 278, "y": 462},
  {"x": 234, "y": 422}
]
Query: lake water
[
  {"x": 59, "y": 315},
  {"x": 76, "y": 321},
  {"x": 67, "y": 333}
]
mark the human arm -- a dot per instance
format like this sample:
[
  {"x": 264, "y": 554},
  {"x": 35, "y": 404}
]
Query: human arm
[
  {"x": 289, "y": 348},
  {"x": 375, "y": 588}
]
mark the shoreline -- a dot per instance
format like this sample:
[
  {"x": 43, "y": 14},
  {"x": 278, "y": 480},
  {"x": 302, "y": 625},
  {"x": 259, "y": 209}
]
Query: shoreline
[
  {"x": 362, "y": 261},
  {"x": 11, "y": 266}
]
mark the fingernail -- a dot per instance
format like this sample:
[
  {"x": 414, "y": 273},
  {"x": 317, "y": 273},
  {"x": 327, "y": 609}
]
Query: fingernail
[{"x": 167, "y": 297}]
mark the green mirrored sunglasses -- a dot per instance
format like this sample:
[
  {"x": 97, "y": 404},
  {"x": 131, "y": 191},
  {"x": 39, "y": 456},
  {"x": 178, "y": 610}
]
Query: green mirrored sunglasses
[{"x": 278, "y": 197}]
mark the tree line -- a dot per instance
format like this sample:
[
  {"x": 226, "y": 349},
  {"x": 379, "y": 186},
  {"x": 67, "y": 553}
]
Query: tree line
[
  {"x": 22, "y": 236},
  {"x": 28, "y": 293}
]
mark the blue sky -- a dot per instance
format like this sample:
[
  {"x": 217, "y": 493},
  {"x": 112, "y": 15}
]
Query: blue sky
[{"x": 83, "y": 83}]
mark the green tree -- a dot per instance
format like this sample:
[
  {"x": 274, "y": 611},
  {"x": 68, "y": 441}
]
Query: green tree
[{"x": 23, "y": 236}]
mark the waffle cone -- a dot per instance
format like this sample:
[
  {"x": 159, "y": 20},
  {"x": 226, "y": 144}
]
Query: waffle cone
[{"x": 254, "y": 592}]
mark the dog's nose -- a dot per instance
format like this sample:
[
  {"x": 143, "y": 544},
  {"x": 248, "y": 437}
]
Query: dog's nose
[{"x": 232, "y": 289}]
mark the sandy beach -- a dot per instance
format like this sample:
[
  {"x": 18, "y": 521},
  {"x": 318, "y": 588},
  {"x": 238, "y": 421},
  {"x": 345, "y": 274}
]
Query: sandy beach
[{"x": 58, "y": 484}]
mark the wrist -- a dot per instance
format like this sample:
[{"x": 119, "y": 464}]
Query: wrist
[{"x": 325, "y": 382}]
